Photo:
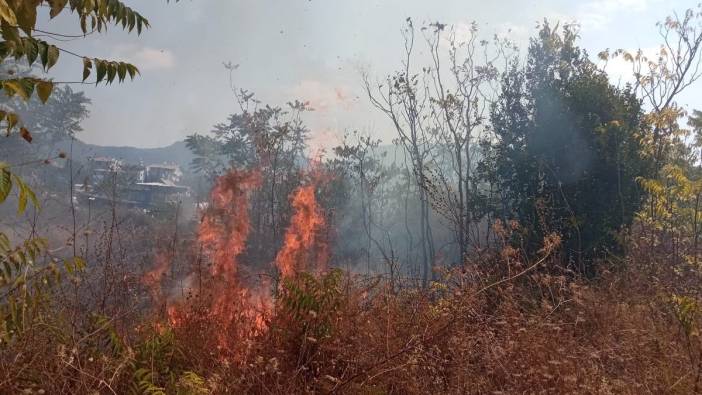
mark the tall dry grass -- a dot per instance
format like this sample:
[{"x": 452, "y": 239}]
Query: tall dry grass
[{"x": 501, "y": 325}]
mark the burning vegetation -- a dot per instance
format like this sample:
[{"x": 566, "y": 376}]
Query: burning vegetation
[
  {"x": 532, "y": 228},
  {"x": 239, "y": 302},
  {"x": 304, "y": 245}
]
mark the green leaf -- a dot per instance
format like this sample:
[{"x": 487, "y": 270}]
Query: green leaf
[
  {"x": 27, "y": 16},
  {"x": 15, "y": 87},
  {"x": 12, "y": 120},
  {"x": 4, "y": 242},
  {"x": 79, "y": 263},
  {"x": 68, "y": 265},
  {"x": 111, "y": 72},
  {"x": 32, "y": 196},
  {"x": 74, "y": 264},
  {"x": 122, "y": 71},
  {"x": 132, "y": 70},
  {"x": 24, "y": 87},
  {"x": 22, "y": 199},
  {"x": 31, "y": 50},
  {"x": 83, "y": 23},
  {"x": 132, "y": 20},
  {"x": 102, "y": 9},
  {"x": 25, "y": 194},
  {"x": 11, "y": 34},
  {"x": 7, "y": 271},
  {"x": 43, "y": 50}
]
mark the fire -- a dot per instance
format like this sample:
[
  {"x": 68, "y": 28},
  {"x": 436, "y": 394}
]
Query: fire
[
  {"x": 304, "y": 246},
  {"x": 223, "y": 233},
  {"x": 225, "y": 226},
  {"x": 234, "y": 305},
  {"x": 153, "y": 278}
]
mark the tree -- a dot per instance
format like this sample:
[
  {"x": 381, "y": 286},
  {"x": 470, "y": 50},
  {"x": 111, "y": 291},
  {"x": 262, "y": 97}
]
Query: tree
[
  {"x": 270, "y": 140},
  {"x": 20, "y": 41},
  {"x": 359, "y": 161},
  {"x": 59, "y": 118},
  {"x": 18, "y": 25},
  {"x": 672, "y": 204},
  {"x": 566, "y": 149},
  {"x": 660, "y": 78},
  {"x": 404, "y": 99},
  {"x": 24, "y": 282},
  {"x": 461, "y": 93},
  {"x": 53, "y": 122}
]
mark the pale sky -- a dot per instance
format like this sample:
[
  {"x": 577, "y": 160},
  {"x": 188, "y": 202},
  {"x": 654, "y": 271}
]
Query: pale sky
[{"x": 303, "y": 49}]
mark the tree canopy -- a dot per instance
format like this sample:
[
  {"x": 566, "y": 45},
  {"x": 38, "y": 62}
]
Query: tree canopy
[{"x": 567, "y": 149}]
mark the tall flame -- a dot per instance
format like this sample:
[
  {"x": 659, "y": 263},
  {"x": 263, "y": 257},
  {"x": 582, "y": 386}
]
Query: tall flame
[
  {"x": 304, "y": 246},
  {"x": 223, "y": 233},
  {"x": 225, "y": 226},
  {"x": 235, "y": 307},
  {"x": 231, "y": 309}
]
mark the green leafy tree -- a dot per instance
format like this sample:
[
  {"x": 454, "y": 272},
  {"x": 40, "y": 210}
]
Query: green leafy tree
[
  {"x": 56, "y": 120},
  {"x": 670, "y": 217},
  {"x": 18, "y": 25},
  {"x": 20, "y": 42},
  {"x": 566, "y": 149}
]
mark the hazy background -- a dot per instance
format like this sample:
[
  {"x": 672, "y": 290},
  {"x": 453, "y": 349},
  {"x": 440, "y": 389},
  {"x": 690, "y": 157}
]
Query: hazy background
[{"x": 303, "y": 49}]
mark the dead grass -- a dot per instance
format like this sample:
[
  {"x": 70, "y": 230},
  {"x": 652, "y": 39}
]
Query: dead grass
[{"x": 543, "y": 331}]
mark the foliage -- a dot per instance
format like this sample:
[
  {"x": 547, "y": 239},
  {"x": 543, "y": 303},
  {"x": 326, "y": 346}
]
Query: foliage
[
  {"x": 26, "y": 284},
  {"x": 255, "y": 137},
  {"x": 673, "y": 212},
  {"x": 569, "y": 156},
  {"x": 566, "y": 149},
  {"x": 345, "y": 334},
  {"x": 268, "y": 140},
  {"x": 55, "y": 120},
  {"x": 18, "y": 26},
  {"x": 312, "y": 304},
  {"x": 155, "y": 367},
  {"x": 24, "y": 193}
]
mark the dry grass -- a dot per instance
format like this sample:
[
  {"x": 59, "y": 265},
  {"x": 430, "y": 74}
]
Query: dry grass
[{"x": 542, "y": 330}]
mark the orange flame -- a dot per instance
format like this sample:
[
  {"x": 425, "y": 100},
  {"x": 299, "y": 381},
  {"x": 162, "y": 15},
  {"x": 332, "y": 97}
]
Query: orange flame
[
  {"x": 153, "y": 278},
  {"x": 237, "y": 308},
  {"x": 225, "y": 227},
  {"x": 223, "y": 233},
  {"x": 304, "y": 246}
]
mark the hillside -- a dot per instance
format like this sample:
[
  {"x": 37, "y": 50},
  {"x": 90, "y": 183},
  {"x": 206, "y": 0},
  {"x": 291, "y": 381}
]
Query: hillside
[{"x": 176, "y": 153}]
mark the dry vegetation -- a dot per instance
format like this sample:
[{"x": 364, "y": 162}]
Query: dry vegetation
[
  {"x": 501, "y": 325},
  {"x": 539, "y": 235}
]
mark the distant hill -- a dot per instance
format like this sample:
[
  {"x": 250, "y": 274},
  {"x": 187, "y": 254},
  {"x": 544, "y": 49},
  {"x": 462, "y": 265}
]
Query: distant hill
[{"x": 176, "y": 153}]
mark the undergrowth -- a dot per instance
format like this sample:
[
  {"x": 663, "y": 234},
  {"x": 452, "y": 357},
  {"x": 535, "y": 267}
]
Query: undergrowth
[{"x": 502, "y": 325}]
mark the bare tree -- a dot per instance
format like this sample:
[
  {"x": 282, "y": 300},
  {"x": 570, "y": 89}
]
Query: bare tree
[
  {"x": 404, "y": 98},
  {"x": 461, "y": 95}
]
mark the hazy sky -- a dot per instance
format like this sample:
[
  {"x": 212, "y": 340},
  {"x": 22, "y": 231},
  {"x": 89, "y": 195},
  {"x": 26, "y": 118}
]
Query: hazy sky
[{"x": 302, "y": 49}]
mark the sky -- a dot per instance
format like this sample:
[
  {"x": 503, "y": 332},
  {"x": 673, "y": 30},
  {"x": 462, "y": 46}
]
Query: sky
[{"x": 309, "y": 50}]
